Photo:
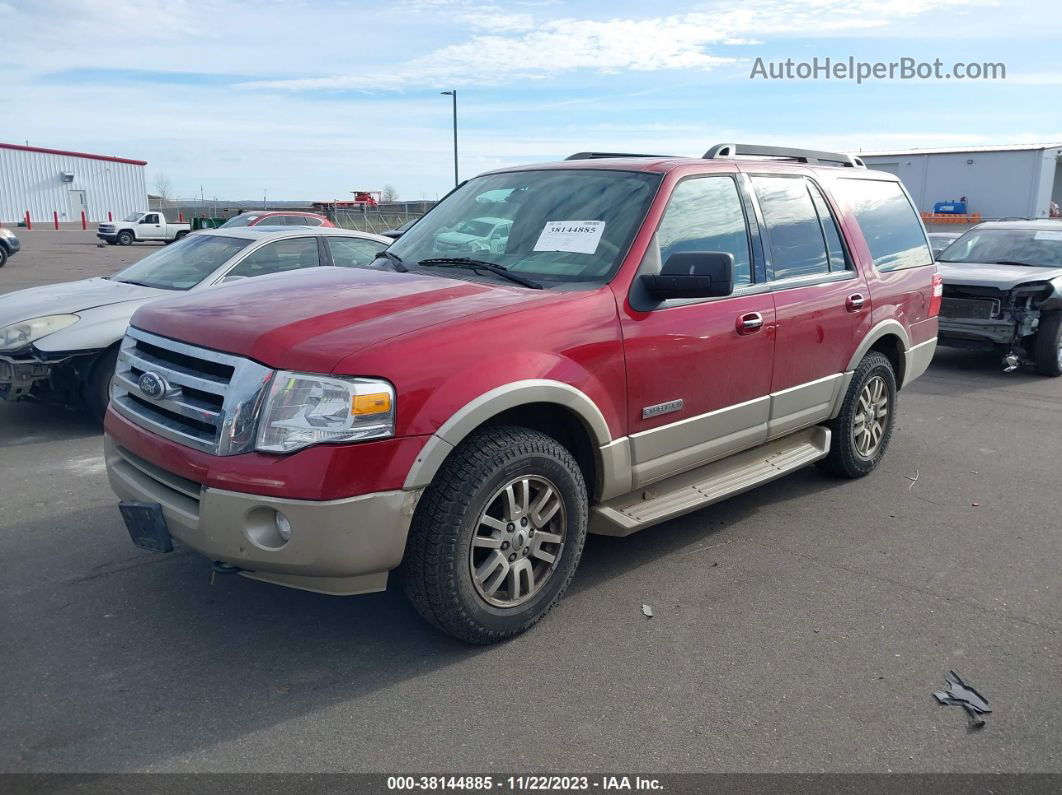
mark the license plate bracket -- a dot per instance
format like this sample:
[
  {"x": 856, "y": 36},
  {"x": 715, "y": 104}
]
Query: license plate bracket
[{"x": 146, "y": 525}]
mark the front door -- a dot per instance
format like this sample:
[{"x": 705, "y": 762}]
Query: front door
[
  {"x": 698, "y": 371},
  {"x": 150, "y": 227},
  {"x": 821, "y": 301},
  {"x": 78, "y": 206}
]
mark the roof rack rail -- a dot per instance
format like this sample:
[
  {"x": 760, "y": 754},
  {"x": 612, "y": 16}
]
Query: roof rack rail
[
  {"x": 597, "y": 155},
  {"x": 810, "y": 156}
]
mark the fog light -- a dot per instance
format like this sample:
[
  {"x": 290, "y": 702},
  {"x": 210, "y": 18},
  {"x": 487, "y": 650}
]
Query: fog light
[{"x": 283, "y": 527}]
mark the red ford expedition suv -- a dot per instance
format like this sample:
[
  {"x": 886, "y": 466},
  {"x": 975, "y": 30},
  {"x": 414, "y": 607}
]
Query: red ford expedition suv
[{"x": 650, "y": 335}]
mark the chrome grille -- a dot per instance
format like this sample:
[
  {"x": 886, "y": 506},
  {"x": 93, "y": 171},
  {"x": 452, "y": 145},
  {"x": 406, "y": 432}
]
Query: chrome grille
[{"x": 203, "y": 399}]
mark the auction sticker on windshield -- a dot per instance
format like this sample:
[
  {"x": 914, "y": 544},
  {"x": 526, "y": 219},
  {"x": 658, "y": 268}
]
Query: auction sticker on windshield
[{"x": 578, "y": 237}]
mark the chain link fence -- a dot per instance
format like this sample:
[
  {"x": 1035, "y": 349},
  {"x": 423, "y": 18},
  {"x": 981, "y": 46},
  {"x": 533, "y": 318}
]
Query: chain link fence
[{"x": 380, "y": 218}]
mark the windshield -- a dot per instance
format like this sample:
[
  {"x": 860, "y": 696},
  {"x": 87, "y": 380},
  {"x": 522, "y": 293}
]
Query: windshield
[
  {"x": 564, "y": 225},
  {"x": 1042, "y": 247},
  {"x": 184, "y": 264},
  {"x": 133, "y": 217},
  {"x": 246, "y": 219}
]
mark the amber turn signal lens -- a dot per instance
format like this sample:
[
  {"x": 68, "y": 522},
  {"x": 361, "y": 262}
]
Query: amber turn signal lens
[{"x": 377, "y": 403}]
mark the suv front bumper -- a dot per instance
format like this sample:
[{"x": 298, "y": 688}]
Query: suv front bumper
[{"x": 339, "y": 547}]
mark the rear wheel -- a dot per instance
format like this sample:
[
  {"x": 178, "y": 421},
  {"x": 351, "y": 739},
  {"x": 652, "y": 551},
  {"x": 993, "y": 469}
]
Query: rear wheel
[
  {"x": 497, "y": 536},
  {"x": 179, "y": 235},
  {"x": 125, "y": 238},
  {"x": 1047, "y": 348},
  {"x": 861, "y": 432},
  {"x": 98, "y": 384},
  {"x": 3, "y": 256}
]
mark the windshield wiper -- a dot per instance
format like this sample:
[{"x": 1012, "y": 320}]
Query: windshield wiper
[
  {"x": 1014, "y": 262},
  {"x": 130, "y": 281},
  {"x": 483, "y": 265},
  {"x": 396, "y": 261}
]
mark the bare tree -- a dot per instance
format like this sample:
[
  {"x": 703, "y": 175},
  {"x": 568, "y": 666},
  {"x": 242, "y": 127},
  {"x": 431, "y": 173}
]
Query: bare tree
[
  {"x": 163, "y": 188},
  {"x": 389, "y": 193}
]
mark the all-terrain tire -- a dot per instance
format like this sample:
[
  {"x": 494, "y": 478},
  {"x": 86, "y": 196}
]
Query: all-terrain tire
[
  {"x": 1047, "y": 348},
  {"x": 437, "y": 573},
  {"x": 845, "y": 458},
  {"x": 98, "y": 383}
]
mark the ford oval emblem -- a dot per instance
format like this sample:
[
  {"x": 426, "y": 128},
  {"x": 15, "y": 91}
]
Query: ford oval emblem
[{"x": 152, "y": 385}]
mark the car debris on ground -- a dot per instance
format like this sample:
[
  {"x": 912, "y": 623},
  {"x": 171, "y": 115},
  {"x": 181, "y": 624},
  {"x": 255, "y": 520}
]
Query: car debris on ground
[{"x": 963, "y": 695}]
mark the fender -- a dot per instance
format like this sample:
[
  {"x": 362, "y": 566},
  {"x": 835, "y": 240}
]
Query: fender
[
  {"x": 609, "y": 453},
  {"x": 889, "y": 326},
  {"x": 98, "y": 328}
]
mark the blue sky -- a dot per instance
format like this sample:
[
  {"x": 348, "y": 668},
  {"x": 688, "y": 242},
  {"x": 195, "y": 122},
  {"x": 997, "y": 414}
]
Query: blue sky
[{"x": 312, "y": 99}]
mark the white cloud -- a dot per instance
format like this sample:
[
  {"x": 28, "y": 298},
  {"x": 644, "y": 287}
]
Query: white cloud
[{"x": 518, "y": 47}]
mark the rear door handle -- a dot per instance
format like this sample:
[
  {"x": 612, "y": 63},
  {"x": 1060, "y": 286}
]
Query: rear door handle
[
  {"x": 749, "y": 323},
  {"x": 854, "y": 302}
]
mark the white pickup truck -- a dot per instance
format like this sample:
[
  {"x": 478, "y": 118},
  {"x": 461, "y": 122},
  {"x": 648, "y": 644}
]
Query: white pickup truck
[{"x": 140, "y": 227}]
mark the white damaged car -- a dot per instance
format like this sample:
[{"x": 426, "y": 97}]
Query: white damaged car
[{"x": 59, "y": 342}]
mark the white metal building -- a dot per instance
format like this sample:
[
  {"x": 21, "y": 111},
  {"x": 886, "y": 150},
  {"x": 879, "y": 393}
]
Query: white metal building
[
  {"x": 46, "y": 181},
  {"x": 997, "y": 181}
]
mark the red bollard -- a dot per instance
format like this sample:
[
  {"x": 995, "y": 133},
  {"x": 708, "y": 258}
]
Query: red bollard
[
  {"x": 109, "y": 216},
  {"x": 84, "y": 220},
  {"x": 55, "y": 219},
  {"x": 29, "y": 223},
  {"x": 180, "y": 218}
]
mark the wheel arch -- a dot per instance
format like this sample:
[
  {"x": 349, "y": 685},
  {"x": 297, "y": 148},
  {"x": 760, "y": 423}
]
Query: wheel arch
[
  {"x": 551, "y": 407},
  {"x": 890, "y": 338}
]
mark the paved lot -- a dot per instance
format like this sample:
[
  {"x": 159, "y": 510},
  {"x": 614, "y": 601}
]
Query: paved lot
[{"x": 801, "y": 627}]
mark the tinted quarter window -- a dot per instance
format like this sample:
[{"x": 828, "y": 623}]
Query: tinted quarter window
[
  {"x": 830, "y": 230},
  {"x": 889, "y": 223},
  {"x": 349, "y": 252},
  {"x": 705, "y": 215},
  {"x": 793, "y": 229}
]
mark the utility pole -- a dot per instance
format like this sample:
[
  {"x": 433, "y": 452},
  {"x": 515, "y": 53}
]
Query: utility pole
[{"x": 453, "y": 94}]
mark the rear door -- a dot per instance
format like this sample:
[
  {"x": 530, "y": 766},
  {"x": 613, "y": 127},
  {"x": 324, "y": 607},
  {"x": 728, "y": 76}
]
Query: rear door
[
  {"x": 821, "y": 300},
  {"x": 699, "y": 370}
]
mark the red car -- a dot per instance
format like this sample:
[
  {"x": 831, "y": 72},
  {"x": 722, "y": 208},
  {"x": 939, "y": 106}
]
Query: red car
[
  {"x": 649, "y": 335},
  {"x": 276, "y": 218}
]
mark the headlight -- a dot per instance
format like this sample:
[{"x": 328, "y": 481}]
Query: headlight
[
  {"x": 6, "y": 232},
  {"x": 18, "y": 335},
  {"x": 302, "y": 410}
]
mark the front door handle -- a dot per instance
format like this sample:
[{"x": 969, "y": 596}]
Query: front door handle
[
  {"x": 749, "y": 323},
  {"x": 854, "y": 302}
]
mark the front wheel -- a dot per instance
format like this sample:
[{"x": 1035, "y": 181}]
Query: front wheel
[
  {"x": 98, "y": 383},
  {"x": 861, "y": 432},
  {"x": 1047, "y": 348},
  {"x": 3, "y": 256},
  {"x": 497, "y": 536},
  {"x": 125, "y": 238}
]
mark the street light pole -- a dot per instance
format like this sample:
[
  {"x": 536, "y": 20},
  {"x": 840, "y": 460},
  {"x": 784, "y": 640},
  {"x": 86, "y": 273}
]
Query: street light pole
[{"x": 453, "y": 94}]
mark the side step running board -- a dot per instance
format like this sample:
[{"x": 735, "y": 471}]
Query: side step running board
[{"x": 708, "y": 484}]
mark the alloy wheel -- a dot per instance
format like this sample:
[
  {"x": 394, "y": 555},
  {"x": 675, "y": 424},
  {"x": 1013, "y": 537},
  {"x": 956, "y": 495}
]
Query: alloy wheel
[
  {"x": 518, "y": 541},
  {"x": 871, "y": 418}
]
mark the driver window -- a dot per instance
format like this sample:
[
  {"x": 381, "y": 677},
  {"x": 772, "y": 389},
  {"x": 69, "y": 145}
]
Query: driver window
[
  {"x": 283, "y": 255},
  {"x": 150, "y": 219},
  {"x": 705, "y": 214}
]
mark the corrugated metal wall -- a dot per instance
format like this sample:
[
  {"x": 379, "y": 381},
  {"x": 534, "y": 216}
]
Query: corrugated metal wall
[
  {"x": 33, "y": 181},
  {"x": 996, "y": 184}
]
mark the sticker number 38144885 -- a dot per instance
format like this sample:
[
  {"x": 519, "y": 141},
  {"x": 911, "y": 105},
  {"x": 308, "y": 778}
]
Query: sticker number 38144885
[{"x": 579, "y": 237}]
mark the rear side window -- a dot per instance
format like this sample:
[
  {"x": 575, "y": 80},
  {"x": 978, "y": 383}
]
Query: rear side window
[
  {"x": 838, "y": 261},
  {"x": 890, "y": 224},
  {"x": 794, "y": 231},
  {"x": 351, "y": 252},
  {"x": 705, "y": 214}
]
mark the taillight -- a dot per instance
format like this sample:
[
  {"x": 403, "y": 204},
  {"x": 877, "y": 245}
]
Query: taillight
[{"x": 938, "y": 295}]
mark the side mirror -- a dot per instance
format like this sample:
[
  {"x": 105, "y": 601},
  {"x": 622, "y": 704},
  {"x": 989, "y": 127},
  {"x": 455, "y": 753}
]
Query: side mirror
[{"x": 693, "y": 274}]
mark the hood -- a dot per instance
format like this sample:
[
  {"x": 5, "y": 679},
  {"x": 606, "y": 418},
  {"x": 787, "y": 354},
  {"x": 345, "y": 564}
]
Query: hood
[
  {"x": 310, "y": 320},
  {"x": 987, "y": 274},
  {"x": 70, "y": 298}
]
